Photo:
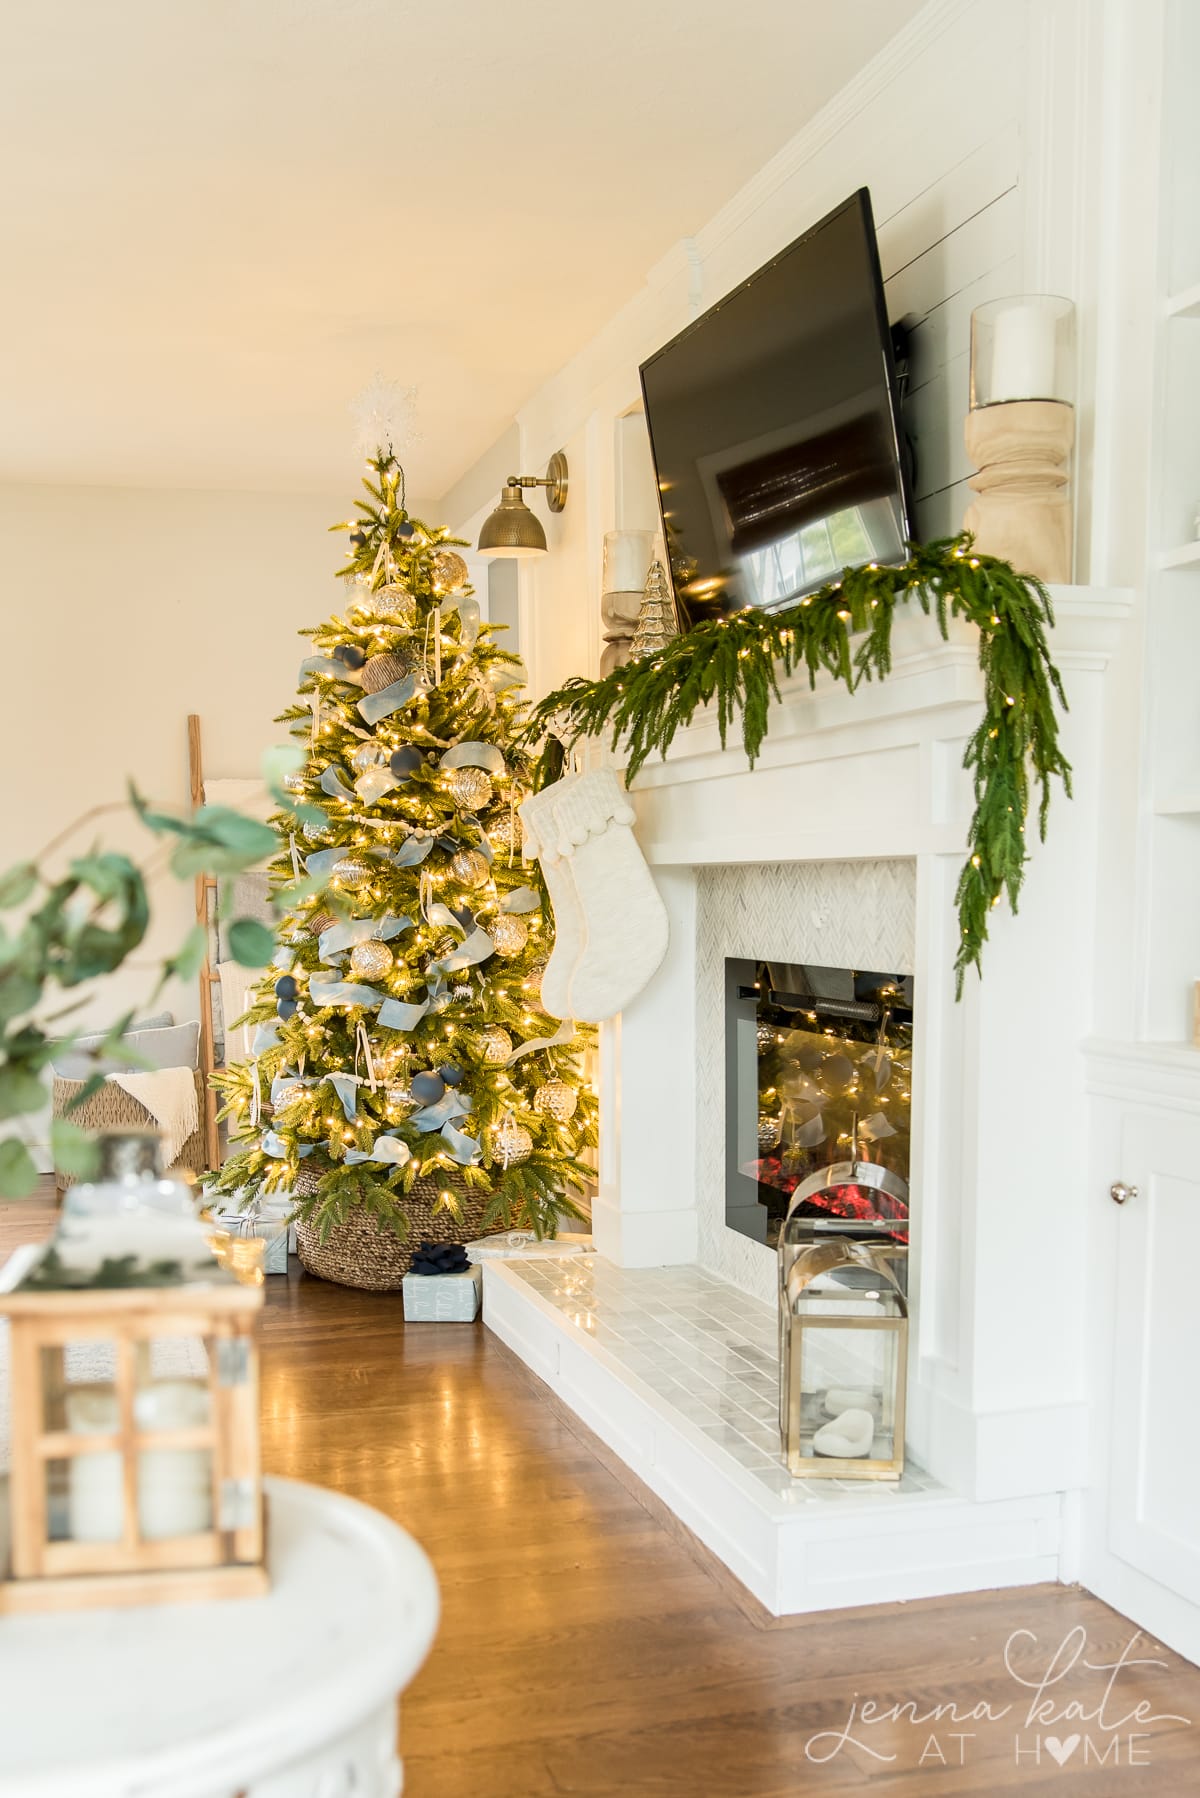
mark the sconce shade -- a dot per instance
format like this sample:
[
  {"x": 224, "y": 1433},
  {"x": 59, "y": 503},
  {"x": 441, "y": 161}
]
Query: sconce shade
[{"x": 512, "y": 529}]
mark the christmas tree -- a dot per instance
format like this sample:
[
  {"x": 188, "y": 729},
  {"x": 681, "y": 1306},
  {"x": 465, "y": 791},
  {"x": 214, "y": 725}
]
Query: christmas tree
[{"x": 400, "y": 1038}]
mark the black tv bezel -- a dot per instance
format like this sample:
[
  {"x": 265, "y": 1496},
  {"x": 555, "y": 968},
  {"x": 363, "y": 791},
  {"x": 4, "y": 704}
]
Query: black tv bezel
[{"x": 860, "y": 199}]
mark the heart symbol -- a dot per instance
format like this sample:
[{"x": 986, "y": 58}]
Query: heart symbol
[{"x": 1062, "y": 1751}]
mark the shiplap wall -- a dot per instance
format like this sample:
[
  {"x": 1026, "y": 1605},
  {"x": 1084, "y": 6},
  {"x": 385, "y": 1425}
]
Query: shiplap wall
[{"x": 934, "y": 127}]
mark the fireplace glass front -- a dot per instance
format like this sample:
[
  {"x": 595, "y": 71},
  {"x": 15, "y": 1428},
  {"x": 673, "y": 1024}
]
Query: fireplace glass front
[{"x": 818, "y": 1082}]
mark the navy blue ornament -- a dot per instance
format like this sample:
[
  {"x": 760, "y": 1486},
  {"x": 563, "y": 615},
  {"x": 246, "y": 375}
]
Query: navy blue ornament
[
  {"x": 350, "y": 655},
  {"x": 286, "y": 1008},
  {"x": 427, "y": 1087},
  {"x": 405, "y": 528},
  {"x": 285, "y": 987},
  {"x": 450, "y": 1074},
  {"x": 357, "y": 539},
  {"x": 405, "y": 761}
]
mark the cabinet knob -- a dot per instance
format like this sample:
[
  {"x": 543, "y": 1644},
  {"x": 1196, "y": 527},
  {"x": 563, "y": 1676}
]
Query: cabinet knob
[{"x": 1120, "y": 1194}]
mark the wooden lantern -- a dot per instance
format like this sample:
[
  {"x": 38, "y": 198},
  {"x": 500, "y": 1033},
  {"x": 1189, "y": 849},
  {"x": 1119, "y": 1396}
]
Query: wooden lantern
[{"x": 135, "y": 1457}]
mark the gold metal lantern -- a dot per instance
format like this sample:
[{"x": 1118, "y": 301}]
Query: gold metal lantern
[
  {"x": 135, "y": 1439},
  {"x": 843, "y": 1325}
]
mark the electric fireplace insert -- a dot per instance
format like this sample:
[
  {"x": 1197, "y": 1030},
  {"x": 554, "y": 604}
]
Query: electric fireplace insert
[{"x": 818, "y": 1100}]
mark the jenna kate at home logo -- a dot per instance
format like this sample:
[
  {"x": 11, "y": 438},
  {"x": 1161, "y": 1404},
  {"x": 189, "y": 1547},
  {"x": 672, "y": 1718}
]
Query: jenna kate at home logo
[{"x": 1069, "y": 1708}]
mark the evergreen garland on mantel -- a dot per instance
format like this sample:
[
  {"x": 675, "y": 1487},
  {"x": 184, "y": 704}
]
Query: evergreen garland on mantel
[{"x": 736, "y": 662}]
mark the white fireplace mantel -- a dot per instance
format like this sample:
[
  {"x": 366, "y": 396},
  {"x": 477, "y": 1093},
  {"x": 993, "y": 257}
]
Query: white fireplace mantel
[{"x": 997, "y": 1388}]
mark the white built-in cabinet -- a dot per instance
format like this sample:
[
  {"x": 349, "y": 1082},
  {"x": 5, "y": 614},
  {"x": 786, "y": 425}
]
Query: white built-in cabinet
[
  {"x": 1140, "y": 1518},
  {"x": 1141, "y": 1526}
]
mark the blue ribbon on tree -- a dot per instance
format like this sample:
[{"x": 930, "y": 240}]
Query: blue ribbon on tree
[
  {"x": 273, "y": 1144},
  {"x": 320, "y": 864},
  {"x": 346, "y": 1088},
  {"x": 432, "y": 1117},
  {"x": 333, "y": 784},
  {"x": 265, "y": 1037},
  {"x": 331, "y": 666},
  {"x": 340, "y": 937},
  {"x": 394, "y": 1014},
  {"x": 390, "y": 1149},
  {"x": 465, "y": 1150},
  {"x": 474, "y": 755},
  {"x": 343, "y": 992},
  {"x": 388, "y": 700},
  {"x": 521, "y": 899}
]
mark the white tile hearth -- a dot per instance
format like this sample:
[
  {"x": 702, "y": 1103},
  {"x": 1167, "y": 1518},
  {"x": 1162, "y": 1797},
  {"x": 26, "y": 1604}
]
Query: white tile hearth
[
  {"x": 706, "y": 1350},
  {"x": 675, "y": 1369}
]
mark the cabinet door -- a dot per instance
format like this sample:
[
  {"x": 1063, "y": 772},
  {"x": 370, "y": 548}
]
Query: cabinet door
[{"x": 1155, "y": 1473}]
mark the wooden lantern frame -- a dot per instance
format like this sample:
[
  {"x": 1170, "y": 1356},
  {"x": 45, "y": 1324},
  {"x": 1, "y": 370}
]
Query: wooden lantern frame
[{"x": 225, "y": 1560}]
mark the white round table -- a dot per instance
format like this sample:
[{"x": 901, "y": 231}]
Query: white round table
[{"x": 288, "y": 1696}]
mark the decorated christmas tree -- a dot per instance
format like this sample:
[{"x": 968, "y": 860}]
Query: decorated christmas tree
[{"x": 402, "y": 1064}]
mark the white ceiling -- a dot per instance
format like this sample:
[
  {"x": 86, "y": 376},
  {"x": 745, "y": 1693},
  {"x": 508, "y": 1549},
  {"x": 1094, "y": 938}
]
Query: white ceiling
[{"x": 221, "y": 218}]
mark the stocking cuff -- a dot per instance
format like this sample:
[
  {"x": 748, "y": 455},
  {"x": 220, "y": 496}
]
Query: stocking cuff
[{"x": 587, "y": 808}]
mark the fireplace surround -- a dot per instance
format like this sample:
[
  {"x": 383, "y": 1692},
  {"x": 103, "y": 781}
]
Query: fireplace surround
[{"x": 842, "y": 848}]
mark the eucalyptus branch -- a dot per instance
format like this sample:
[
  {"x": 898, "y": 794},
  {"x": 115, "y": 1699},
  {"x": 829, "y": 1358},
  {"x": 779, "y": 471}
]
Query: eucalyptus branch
[{"x": 844, "y": 629}]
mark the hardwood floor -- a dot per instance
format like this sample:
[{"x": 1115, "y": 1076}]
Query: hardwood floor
[{"x": 590, "y": 1647}]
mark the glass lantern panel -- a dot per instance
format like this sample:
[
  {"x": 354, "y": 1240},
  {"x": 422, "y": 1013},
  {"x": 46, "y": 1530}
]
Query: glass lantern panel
[
  {"x": 173, "y": 1358},
  {"x": 85, "y": 1498},
  {"x": 843, "y": 1392},
  {"x": 78, "y": 1390},
  {"x": 175, "y": 1492}
]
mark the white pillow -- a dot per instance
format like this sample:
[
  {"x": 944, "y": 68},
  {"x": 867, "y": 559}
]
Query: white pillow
[{"x": 172, "y": 1046}]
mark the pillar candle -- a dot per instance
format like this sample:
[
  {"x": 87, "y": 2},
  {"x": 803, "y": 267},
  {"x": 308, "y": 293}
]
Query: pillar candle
[{"x": 1023, "y": 342}]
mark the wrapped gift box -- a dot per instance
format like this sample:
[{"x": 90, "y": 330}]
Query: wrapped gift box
[
  {"x": 265, "y": 1220},
  {"x": 443, "y": 1298}
]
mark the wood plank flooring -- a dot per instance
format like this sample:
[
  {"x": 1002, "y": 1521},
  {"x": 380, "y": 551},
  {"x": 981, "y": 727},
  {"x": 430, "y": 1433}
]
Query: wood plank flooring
[{"x": 588, "y": 1646}]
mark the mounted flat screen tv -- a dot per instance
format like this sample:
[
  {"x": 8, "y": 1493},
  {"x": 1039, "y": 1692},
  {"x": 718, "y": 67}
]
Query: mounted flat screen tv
[{"x": 774, "y": 424}]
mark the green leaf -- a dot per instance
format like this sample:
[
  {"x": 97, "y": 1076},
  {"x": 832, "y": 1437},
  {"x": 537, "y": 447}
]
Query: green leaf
[
  {"x": 161, "y": 823},
  {"x": 18, "y": 1176},
  {"x": 189, "y": 957},
  {"x": 17, "y": 884},
  {"x": 20, "y": 1091},
  {"x": 251, "y": 943},
  {"x": 75, "y": 1151},
  {"x": 281, "y": 759},
  {"x": 218, "y": 840},
  {"x": 19, "y": 992}
]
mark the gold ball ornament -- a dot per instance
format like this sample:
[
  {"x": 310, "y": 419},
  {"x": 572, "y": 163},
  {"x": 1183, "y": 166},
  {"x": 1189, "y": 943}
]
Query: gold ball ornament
[
  {"x": 470, "y": 867},
  {"x": 371, "y": 960},
  {"x": 382, "y": 670},
  {"x": 511, "y": 1143},
  {"x": 393, "y": 602},
  {"x": 368, "y": 755},
  {"x": 509, "y": 935},
  {"x": 288, "y": 1095},
  {"x": 320, "y": 920},
  {"x": 351, "y": 872},
  {"x": 495, "y": 1045},
  {"x": 506, "y": 833},
  {"x": 470, "y": 788},
  {"x": 556, "y": 1100},
  {"x": 449, "y": 571}
]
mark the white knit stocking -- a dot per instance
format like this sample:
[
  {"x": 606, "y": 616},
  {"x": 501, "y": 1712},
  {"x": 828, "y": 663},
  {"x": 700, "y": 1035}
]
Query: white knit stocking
[
  {"x": 625, "y": 929},
  {"x": 537, "y": 816}
]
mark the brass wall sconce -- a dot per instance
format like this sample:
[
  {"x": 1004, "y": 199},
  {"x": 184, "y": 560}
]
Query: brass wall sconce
[{"x": 512, "y": 529}]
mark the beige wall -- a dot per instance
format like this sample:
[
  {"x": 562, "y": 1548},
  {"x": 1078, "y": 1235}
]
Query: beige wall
[{"x": 124, "y": 611}]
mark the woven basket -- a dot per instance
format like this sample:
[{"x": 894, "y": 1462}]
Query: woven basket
[
  {"x": 359, "y": 1253},
  {"x": 112, "y": 1108}
]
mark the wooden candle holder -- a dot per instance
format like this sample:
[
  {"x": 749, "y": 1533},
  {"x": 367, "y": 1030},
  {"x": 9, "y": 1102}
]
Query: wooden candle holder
[{"x": 1022, "y": 451}]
